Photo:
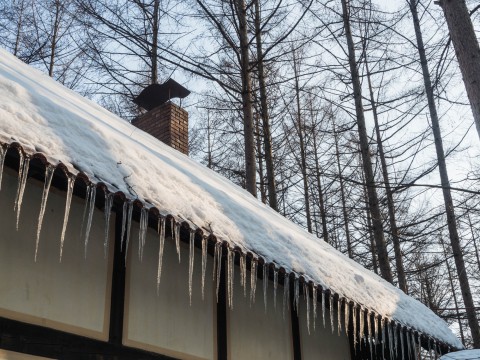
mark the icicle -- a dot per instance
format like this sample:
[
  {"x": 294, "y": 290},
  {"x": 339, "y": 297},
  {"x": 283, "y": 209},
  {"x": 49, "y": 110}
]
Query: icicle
[
  {"x": 430, "y": 347},
  {"x": 314, "y": 300},
  {"x": 375, "y": 329},
  {"x": 414, "y": 345},
  {"x": 191, "y": 256},
  {"x": 382, "y": 325},
  {"x": 85, "y": 211},
  {"x": 142, "y": 232},
  {"x": 395, "y": 339},
  {"x": 275, "y": 287},
  {"x": 22, "y": 180},
  {"x": 243, "y": 273},
  {"x": 124, "y": 223},
  {"x": 253, "y": 280},
  {"x": 286, "y": 293},
  {"x": 306, "y": 292},
  {"x": 402, "y": 345},
  {"x": 347, "y": 315},
  {"x": 339, "y": 317},
  {"x": 46, "y": 188},
  {"x": 369, "y": 330},
  {"x": 161, "y": 244},
  {"x": 330, "y": 299},
  {"x": 230, "y": 276},
  {"x": 354, "y": 318},
  {"x": 323, "y": 308},
  {"x": 91, "y": 207},
  {"x": 215, "y": 255},
  {"x": 70, "y": 183},
  {"x": 265, "y": 284},
  {"x": 296, "y": 293},
  {"x": 107, "y": 212},
  {"x": 218, "y": 250},
  {"x": 128, "y": 227},
  {"x": 390, "y": 337},
  {"x": 409, "y": 343},
  {"x": 360, "y": 324},
  {"x": 3, "y": 151},
  {"x": 204, "y": 264},
  {"x": 177, "y": 239}
]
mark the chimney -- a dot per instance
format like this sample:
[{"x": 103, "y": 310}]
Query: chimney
[{"x": 165, "y": 120}]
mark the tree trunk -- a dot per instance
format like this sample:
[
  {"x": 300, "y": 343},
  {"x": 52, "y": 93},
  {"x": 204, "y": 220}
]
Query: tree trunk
[
  {"x": 323, "y": 213},
  {"x": 474, "y": 240},
  {"x": 342, "y": 194},
  {"x": 263, "y": 195},
  {"x": 365, "y": 150},
  {"x": 467, "y": 50},
  {"x": 19, "y": 28},
  {"x": 303, "y": 157},
  {"x": 267, "y": 136},
  {"x": 447, "y": 196},
  {"x": 55, "y": 29},
  {"x": 402, "y": 281},
  {"x": 250, "y": 162},
  {"x": 154, "y": 55},
  {"x": 460, "y": 326}
]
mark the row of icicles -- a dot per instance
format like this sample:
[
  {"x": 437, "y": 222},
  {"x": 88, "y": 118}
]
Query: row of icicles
[{"x": 371, "y": 328}]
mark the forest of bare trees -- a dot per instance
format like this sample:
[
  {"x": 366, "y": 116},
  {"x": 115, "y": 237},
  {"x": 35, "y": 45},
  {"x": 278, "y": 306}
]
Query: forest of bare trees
[{"x": 355, "y": 119}]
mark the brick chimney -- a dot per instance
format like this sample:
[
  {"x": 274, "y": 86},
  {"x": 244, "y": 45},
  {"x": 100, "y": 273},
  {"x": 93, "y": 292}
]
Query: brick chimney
[{"x": 165, "y": 120}]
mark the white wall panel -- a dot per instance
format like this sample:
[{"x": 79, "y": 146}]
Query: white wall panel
[
  {"x": 73, "y": 295},
  {"x": 254, "y": 333},
  {"x": 320, "y": 343},
  {"x": 167, "y": 323}
]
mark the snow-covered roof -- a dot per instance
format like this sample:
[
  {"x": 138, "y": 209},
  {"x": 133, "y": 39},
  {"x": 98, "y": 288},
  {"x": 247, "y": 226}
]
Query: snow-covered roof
[
  {"x": 462, "y": 355},
  {"x": 45, "y": 117}
]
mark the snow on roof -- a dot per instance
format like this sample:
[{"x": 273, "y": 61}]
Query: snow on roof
[
  {"x": 462, "y": 355},
  {"x": 45, "y": 117}
]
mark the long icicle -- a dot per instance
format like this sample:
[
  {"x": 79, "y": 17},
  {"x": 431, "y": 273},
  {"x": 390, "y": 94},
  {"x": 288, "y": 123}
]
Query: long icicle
[
  {"x": 360, "y": 325},
  {"x": 68, "y": 202},
  {"x": 128, "y": 228},
  {"x": 85, "y": 211},
  {"x": 265, "y": 284},
  {"x": 395, "y": 339},
  {"x": 243, "y": 270},
  {"x": 296, "y": 293},
  {"x": 339, "y": 317},
  {"x": 124, "y": 223},
  {"x": 191, "y": 256},
  {"x": 231, "y": 276},
  {"x": 347, "y": 315},
  {"x": 330, "y": 301},
  {"x": 253, "y": 279},
  {"x": 142, "y": 232},
  {"x": 314, "y": 302},
  {"x": 369, "y": 330},
  {"x": 161, "y": 243},
  {"x": 354, "y": 319},
  {"x": 414, "y": 345},
  {"x": 21, "y": 187},
  {"x": 306, "y": 292},
  {"x": 402, "y": 345},
  {"x": 107, "y": 214},
  {"x": 215, "y": 255},
  {"x": 204, "y": 264},
  {"x": 275, "y": 287},
  {"x": 323, "y": 308},
  {"x": 218, "y": 245},
  {"x": 409, "y": 343},
  {"x": 49, "y": 170},
  {"x": 177, "y": 239},
  {"x": 382, "y": 326},
  {"x": 3, "y": 152},
  {"x": 286, "y": 293},
  {"x": 390, "y": 338},
  {"x": 91, "y": 207}
]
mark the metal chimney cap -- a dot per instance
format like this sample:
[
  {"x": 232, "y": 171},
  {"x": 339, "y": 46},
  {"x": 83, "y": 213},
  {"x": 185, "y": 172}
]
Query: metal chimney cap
[{"x": 157, "y": 94}]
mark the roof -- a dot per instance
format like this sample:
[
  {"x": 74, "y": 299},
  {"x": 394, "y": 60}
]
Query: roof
[{"x": 45, "y": 117}]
